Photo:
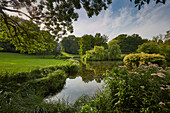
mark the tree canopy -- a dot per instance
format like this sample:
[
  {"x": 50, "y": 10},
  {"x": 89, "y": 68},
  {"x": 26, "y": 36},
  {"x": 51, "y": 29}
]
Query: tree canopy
[
  {"x": 87, "y": 42},
  {"x": 129, "y": 43},
  {"x": 57, "y": 16},
  {"x": 70, "y": 44},
  {"x": 30, "y": 38}
]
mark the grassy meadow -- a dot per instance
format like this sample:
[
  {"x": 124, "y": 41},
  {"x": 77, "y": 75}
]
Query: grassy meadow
[{"x": 14, "y": 62}]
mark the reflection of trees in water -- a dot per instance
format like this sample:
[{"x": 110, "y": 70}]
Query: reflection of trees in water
[{"x": 94, "y": 70}]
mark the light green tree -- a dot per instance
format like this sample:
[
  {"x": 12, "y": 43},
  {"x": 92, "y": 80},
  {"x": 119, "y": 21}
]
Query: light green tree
[{"x": 114, "y": 51}]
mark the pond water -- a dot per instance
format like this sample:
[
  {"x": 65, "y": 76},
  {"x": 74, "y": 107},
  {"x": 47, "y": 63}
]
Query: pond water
[{"x": 89, "y": 79}]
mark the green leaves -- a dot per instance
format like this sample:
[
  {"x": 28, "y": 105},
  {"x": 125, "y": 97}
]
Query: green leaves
[{"x": 27, "y": 36}]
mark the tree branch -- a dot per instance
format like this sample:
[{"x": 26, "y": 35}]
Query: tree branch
[{"x": 17, "y": 11}]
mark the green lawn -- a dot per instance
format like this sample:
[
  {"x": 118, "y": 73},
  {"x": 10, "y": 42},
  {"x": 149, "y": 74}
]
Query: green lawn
[
  {"x": 15, "y": 62},
  {"x": 69, "y": 55}
]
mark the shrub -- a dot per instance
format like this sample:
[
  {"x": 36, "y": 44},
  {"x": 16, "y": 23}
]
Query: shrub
[
  {"x": 53, "y": 83},
  {"x": 71, "y": 66},
  {"x": 142, "y": 90},
  {"x": 137, "y": 59}
]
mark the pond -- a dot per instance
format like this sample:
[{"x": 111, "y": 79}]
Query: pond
[{"x": 89, "y": 79}]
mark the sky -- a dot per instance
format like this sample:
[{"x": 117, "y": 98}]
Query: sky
[{"x": 122, "y": 17}]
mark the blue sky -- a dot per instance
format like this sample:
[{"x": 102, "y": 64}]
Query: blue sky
[{"x": 122, "y": 17}]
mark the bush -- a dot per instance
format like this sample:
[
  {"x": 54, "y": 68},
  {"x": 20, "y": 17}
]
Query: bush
[
  {"x": 143, "y": 90},
  {"x": 137, "y": 59},
  {"x": 71, "y": 66},
  {"x": 53, "y": 83}
]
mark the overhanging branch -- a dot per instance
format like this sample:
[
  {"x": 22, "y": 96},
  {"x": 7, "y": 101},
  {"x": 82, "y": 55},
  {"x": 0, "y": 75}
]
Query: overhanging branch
[{"x": 16, "y": 11}]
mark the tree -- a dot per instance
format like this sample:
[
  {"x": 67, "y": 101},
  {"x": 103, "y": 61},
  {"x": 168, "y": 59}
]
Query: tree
[
  {"x": 114, "y": 51},
  {"x": 150, "y": 47},
  {"x": 95, "y": 54},
  {"x": 56, "y": 15},
  {"x": 33, "y": 41},
  {"x": 70, "y": 44},
  {"x": 7, "y": 47},
  {"x": 86, "y": 43},
  {"x": 129, "y": 44},
  {"x": 101, "y": 40}
]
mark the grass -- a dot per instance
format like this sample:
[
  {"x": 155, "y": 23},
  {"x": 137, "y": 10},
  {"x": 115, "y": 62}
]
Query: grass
[
  {"x": 15, "y": 62},
  {"x": 69, "y": 55}
]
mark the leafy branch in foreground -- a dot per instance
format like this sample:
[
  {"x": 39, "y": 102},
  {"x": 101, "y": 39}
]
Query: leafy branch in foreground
[{"x": 25, "y": 36}]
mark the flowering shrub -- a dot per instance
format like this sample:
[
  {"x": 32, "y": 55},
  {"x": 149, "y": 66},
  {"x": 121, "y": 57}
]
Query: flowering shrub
[
  {"x": 144, "y": 89},
  {"x": 138, "y": 59}
]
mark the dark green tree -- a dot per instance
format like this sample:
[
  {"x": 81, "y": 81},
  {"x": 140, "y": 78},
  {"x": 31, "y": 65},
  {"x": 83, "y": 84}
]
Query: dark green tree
[
  {"x": 7, "y": 47},
  {"x": 86, "y": 43},
  {"x": 129, "y": 44},
  {"x": 70, "y": 44},
  {"x": 150, "y": 47},
  {"x": 101, "y": 40}
]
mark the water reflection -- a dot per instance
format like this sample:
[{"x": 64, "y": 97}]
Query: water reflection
[
  {"x": 75, "y": 88},
  {"x": 89, "y": 79}
]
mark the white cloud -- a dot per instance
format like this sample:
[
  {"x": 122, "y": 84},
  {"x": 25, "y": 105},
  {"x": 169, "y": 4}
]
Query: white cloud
[
  {"x": 96, "y": 24},
  {"x": 148, "y": 22}
]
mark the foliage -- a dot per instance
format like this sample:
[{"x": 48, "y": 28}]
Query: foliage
[
  {"x": 100, "y": 54},
  {"x": 96, "y": 54},
  {"x": 150, "y": 48},
  {"x": 70, "y": 44},
  {"x": 144, "y": 89},
  {"x": 88, "y": 109},
  {"x": 87, "y": 42},
  {"x": 140, "y": 3},
  {"x": 57, "y": 16},
  {"x": 129, "y": 44},
  {"x": 7, "y": 47},
  {"x": 138, "y": 59},
  {"x": 101, "y": 40},
  {"x": 114, "y": 51},
  {"x": 34, "y": 40},
  {"x": 71, "y": 66},
  {"x": 159, "y": 44}
]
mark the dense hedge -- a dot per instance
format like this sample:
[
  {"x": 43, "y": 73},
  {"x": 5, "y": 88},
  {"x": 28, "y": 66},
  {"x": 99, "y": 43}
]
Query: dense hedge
[{"x": 137, "y": 59}]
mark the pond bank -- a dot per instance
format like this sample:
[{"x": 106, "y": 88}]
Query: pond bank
[{"x": 87, "y": 81}]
